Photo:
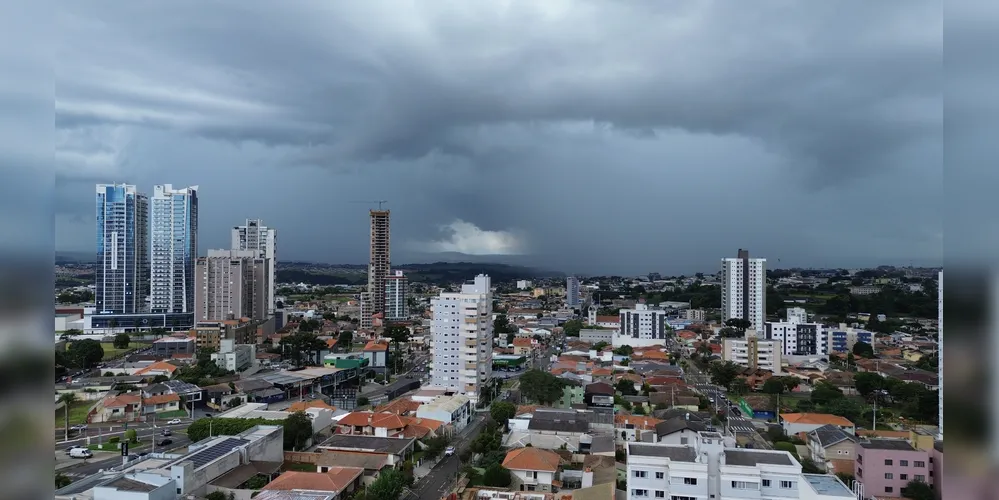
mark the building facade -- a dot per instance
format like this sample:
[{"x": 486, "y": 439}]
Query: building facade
[
  {"x": 396, "y": 296},
  {"x": 174, "y": 236},
  {"x": 366, "y": 306},
  {"x": 572, "y": 292},
  {"x": 642, "y": 326},
  {"x": 231, "y": 284},
  {"x": 255, "y": 236},
  {"x": 122, "y": 276},
  {"x": 885, "y": 466},
  {"x": 797, "y": 337},
  {"x": 462, "y": 336},
  {"x": 744, "y": 285},
  {"x": 380, "y": 261},
  {"x": 754, "y": 353}
]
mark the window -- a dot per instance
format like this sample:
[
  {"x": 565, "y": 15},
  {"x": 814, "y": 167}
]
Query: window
[
  {"x": 787, "y": 485},
  {"x": 903, "y": 463},
  {"x": 921, "y": 478},
  {"x": 888, "y": 462},
  {"x": 641, "y": 473},
  {"x": 690, "y": 480},
  {"x": 683, "y": 440},
  {"x": 889, "y": 489},
  {"x": 660, "y": 475},
  {"x": 743, "y": 485},
  {"x": 660, "y": 494},
  {"x": 889, "y": 475},
  {"x": 766, "y": 483},
  {"x": 640, "y": 493},
  {"x": 860, "y": 458},
  {"x": 860, "y": 472},
  {"x": 903, "y": 477},
  {"x": 918, "y": 463}
]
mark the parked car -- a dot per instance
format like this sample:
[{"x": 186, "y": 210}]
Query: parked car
[
  {"x": 164, "y": 442},
  {"x": 166, "y": 432},
  {"x": 79, "y": 452},
  {"x": 449, "y": 451},
  {"x": 173, "y": 422}
]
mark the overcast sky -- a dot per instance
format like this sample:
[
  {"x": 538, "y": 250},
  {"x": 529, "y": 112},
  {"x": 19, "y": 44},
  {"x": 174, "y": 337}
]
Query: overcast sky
[{"x": 585, "y": 136}]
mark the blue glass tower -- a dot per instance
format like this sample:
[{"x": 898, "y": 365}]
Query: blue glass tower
[
  {"x": 174, "y": 230},
  {"x": 122, "y": 282}
]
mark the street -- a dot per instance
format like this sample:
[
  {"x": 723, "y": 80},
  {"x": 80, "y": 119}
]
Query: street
[
  {"x": 737, "y": 423},
  {"x": 147, "y": 434},
  {"x": 441, "y": 479}
]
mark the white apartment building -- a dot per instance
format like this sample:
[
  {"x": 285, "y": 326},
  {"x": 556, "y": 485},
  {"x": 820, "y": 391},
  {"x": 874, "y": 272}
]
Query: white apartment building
[
  {"x": 708, "y": 470},
  {"x": 524, "y": 284},
  {"x": 234, "y": 357},
  {"x": 754, "y": 353},
  {"x": 744, "y": 287},
  {"x": 572, "y": 291},
  {"x": 367, "y": 308},
  {"x": 231, "y": 284},
  {"x": 642, "y": 326},
  {"x": 396, "y": 295},
  {"x": 174, "y": 237},
  {"x": 798, "y": 337},
  {"x": 462, "y": 333},
  {"x": 255, "y": 236}
]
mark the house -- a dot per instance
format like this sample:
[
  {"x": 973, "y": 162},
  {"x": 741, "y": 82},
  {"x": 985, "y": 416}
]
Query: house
[
  {"x": 794, "y": 423},
  {"x": 828, "y": 443},
  {"x": 533, "y": 469},
  {"x": 401, "y": 406},
  {"x": 885, "y": 466},
  {"x": 159, "y": 368},
  {"x": 162, "y": 403},
  {"x": 454, "y": 411},
  {"x": 371, "y": 463},
  {"x": 524, "y": 346},
  {"x": 395, "y": 450},
  {"x": 124, "y": 407},
  {"x": 305, "y": 405},
  {"x": 681, "y": 430},
  {"x": 376, "y": 352},
  {"x": 368, "y": 423},
  {"x": 337, "y": 481},
  {"x": 531, "y": 332},
  {"x": 598, "y": 394},
  {"x": 635, "y": 428}
]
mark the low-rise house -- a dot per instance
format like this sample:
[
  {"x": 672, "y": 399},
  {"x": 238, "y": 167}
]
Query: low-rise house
[
  {"x": 402, "y": 406},
  {"x": 162, "y": 403},
  {"x": 531, "y": 332},
  {"x": 533, "y": 469},
  {"x": 828, "y": 443},
  {"x": 376, "y": 352},
  {"x": 635, "y": 428},
  {"x": 680, "y": 430},
  {"x": 371, "y": 463},
  {"x": 395, "y": 450},
  {"x": 123, "y": 407},
  {"x": 337, "y": 481},
  {"x": 524, "y": 346},
  {"x": 795, "y": 423},
  {"x": 454, "y": 411},
  {"x": 159, "y": 368}
]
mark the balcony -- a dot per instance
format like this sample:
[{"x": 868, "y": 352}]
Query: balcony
[
  {"x": 471, "y": 342},
  {"x": 471, "y": 366},
  {"x": 471, "y": 321}
]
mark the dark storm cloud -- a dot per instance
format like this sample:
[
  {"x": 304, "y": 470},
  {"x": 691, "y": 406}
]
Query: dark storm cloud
[{"x": 469, "y": 103}]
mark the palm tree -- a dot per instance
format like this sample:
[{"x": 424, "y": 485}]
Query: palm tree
[{"x": 67, "y": 398}]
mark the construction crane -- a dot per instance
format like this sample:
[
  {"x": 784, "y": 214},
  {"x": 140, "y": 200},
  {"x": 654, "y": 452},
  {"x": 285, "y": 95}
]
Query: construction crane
[{"x": 379, "y": 202}]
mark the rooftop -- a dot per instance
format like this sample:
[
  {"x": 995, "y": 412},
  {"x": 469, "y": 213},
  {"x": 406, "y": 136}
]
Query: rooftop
[
  {"x": 828, "y": 485},
  {"x": 532, "y": 459},
  {"x": 747, "y": 458},
  {"x": 672, "y": 452},
  {"x": 370, "y": 444},
  {"x": 887, "y": 444}
]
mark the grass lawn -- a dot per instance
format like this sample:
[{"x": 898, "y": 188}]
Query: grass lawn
[
  {"x": 299, "y": 467},
  {"x": 77, "y": 414},
  {"x": 167, "y": 415},
  {"x": 111, "y": 352}
]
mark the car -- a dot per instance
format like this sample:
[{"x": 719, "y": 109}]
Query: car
[
  {"x": 164, "y": 442},
  {"x": 449, "y": 451},
  {"x": 173, "y": 421},
  {"x": 166, "y": 432},
  {"x": 143, "y": 453}
]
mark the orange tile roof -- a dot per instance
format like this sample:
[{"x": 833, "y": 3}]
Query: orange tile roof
[
  {"x": 640, "y": 422},
  {"x": 158, "y": 366},
  {"x": 161, "y": 399},
  {"x": 376, "y": 345},
  {"x": 399, "y": 406},
  {"x": 597, "y": 372},
  {"x": 371, "y": 419},
  {"x": 608, "y": 319},
  {"x": 532, "y": 459},
  {"x": 815, "y": 419},
  {"x": 336, "y": 480},
  {"x": 686, "y": 334},
  {"x": 634, "y": 377},
  {"x": 522, "y": 409},
  {"x": 304, "y": 405},
  {"x": 122, "y": 400},
  {"x": 654, "y": 355},
  {"x": 523, "y": 342}
]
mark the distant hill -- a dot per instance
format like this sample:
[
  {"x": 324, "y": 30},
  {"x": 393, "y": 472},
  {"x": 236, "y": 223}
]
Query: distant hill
[{"x": 436, "y": 273}]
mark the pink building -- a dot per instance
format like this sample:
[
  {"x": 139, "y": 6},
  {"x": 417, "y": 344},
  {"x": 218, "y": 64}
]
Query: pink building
[
  {"x": 885, "y": 466},
  {"x": 936, "y": 469}
]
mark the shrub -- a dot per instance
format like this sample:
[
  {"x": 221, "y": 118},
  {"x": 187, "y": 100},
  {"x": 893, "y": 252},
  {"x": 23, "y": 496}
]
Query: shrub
[{"x": 114, "y": 440}]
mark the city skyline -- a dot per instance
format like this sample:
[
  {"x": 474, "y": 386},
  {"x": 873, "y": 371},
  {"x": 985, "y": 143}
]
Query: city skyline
[{"x": 570, "y": 148}]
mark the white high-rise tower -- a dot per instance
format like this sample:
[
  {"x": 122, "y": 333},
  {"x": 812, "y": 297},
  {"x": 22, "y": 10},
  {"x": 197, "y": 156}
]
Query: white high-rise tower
[
  {"x": 174, "y": 237},
  {"x": 744, "y": 289},
  {"x": 255, "y": 236},
  {"x": 462, "y": 336}
]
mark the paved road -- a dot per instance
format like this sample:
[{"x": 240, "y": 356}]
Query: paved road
[
  {"x": 108, "y": 429},
  {"x": 441, "y": 479},
  {"x": 738, "y": 424},
  {"x": 76, "y": 468}
]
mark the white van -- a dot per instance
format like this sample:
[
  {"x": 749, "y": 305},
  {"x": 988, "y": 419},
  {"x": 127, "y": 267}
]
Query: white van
[{"x": 80, "y": 453}]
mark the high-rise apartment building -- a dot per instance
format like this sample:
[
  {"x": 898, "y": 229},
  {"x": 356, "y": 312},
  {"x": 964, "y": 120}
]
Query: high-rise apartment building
[
  {"x": 572, "y": 291},
  {"x": 642, "y": 326},
  {"x": 940, "y": 353},
  {"x": 231, "y": 284},
  {"x": 797, "y": 336},
  {"x": 754, "y": 353},
  {"x": 396, "y": 295},
  {"x": 366, "y": 304},
  {"x": 122, "y": 283},
  {"x": 462, "y": 336},
  {"x": 254, "y": 235},
  {"x": 174, "y": 236},
  {"x": 380, "y": 262},
  {"x": 744, "y": 289}
]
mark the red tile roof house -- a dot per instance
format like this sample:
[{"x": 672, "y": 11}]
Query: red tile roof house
[
  {"x": 376, "y": 352},
  {"x": 121, "y": 408}
]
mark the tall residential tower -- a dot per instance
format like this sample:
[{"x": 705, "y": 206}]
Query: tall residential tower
[
  {"x": 396, "y": 297},
  {"x": 255, "y": 236},
  {"x": 572, "y": 292},
  {"x": 462, "y": 336},
  {"x": 231, "y": 284},
  {"x": 380, "y": 262},
  {"x": 744, "y": 287},
  {"x": 174, "y": 237},
  {"x": 122, "y": 284}
]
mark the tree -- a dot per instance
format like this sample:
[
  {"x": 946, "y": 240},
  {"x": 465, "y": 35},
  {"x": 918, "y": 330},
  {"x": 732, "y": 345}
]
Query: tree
[
  {"x": 541, "y": 386},
  {"x": 398, "y": 335},
  {"x": 435, "y": 446},
  {"x": 625, "y": 387},
  {"x": 86, "y": 353},
  {"x": 738, "y": 387},
  {"x": 790, "y": 383},
  {"x": 729, "y": 332},
  {"x": 297, "y": 430},
  {"x": 599, "y": 346},
  {"x": 773, "y": 385},
  {"x": 131, "y": 436},
  {"x": 625, "y": 350},
  {"x": 867, "y": 382},
  {"x": 67, "y": 398},
  {"x": 121, "y": 341},
  {"x": 572, "y": 327},
  {"x": 863, "y": 350},
  {"x": 497, "y": 476},
  {"x": 918, "y": 490},
  {"x": 344, "y": 341},
  {"x": 740, "y": 324},
  {"x": 824, "y": 393},
  {"x": 724, "y": 373},
  {"x": 62, "y": 481},
  {"x": 363, "y": 401},
  {"x": 502, "y": 412}
]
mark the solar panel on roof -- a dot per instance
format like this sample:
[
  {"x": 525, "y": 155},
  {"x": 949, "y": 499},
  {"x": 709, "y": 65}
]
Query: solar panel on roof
[{"x": 220, "y": 449}]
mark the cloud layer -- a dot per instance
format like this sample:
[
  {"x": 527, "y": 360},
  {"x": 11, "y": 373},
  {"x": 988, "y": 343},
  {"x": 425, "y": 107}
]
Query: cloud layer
[
  {"x": 625, "y": 136},
  {"x": 467, "y": 238}
]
